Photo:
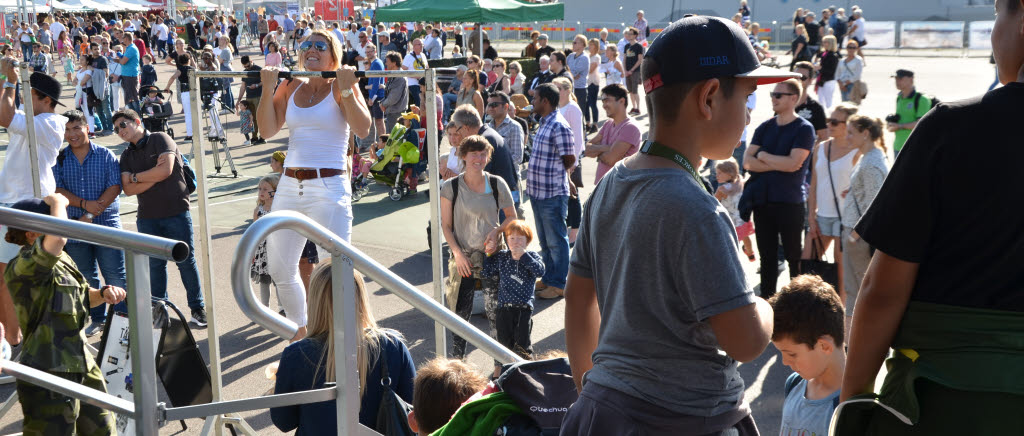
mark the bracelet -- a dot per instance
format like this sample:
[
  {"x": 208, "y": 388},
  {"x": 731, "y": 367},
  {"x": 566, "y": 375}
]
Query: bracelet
[
  {"x": 102, "y": 292},
  {"x": 81, "y": 203}
]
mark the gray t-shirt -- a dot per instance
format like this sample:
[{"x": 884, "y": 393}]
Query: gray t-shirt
[
  {"x": 803, "y": 416},
  {"x": 475, "y": 213},
  {"x": 664, "y": 258}
]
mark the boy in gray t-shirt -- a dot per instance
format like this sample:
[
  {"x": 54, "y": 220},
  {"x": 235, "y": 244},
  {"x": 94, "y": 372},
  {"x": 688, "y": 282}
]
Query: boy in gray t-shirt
[{"x": 658, "y": 310}]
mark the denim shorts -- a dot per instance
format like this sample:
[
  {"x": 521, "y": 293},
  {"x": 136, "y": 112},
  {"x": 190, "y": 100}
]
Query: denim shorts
[{"x": 830, "y": 226}]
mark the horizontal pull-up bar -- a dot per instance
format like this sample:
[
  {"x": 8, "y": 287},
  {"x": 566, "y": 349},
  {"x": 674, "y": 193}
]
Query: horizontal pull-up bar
[
  {"x": 282, "y": 74},
  {"x": 69, "y": 388},
  {"x": 153, "y": 246}
]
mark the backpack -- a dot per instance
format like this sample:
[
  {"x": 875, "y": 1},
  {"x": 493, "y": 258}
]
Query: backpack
[
  {"x": 794, "y": 379},
  {"x": 917, "y": 100}
]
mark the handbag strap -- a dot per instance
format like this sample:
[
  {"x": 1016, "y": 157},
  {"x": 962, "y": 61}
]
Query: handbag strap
[
  {"x": 385, "y": 379},
  {"x": 828, "y": 164}
]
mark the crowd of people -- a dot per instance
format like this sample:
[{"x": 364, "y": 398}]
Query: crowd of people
[{"x": 802, "y": 183}]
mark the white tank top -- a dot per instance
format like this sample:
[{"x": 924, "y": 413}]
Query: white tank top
[
  {"x": 317, "y": 135},
  {"x": 841, "y": 170}
]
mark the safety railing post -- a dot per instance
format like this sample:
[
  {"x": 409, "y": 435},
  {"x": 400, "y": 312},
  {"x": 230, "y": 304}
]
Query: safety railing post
[
  {"x": 434, "y": 174},
  {"x": 204, "y": 246},
  {"x": 30, "y": 127},
  {"x": 346, "y": 330},
  {"x": 143, "y": 352}
]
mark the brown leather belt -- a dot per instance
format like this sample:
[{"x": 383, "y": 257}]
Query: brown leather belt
[{"x": 312, "y": 173}]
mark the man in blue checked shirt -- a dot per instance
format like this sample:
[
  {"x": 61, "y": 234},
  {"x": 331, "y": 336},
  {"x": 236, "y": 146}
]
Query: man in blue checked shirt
[
  {"x": 376, "y": 87},
  {"x": 548, "y": 185},
  {"x": 89, "y": 175}
]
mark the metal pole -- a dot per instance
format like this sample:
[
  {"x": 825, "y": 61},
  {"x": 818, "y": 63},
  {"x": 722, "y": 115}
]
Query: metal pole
[
  {"x": 480, "y": 31},
  {"x": 204, "y": 245},
  {"x": 30, "y": 127},
  {"x": 563, "y": 34},
  {"x": 143, "y": 351},
  {"x": 434, "y": 173},
  {"x": 345, "y": 332}
]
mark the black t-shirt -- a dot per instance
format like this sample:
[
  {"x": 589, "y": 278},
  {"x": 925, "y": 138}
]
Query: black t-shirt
[
  {"x": 168, "y": 197},
  {"x": 802, "y": 54},
  {"x": 99, "y": 63},
  {"x": 544, "y": 51},
  {"x": 247, "y": 82},
  {"x": 965, "y": 236},
  {"x": 813, "y": 33},
  {"x": 632, "y": 53},
  {"x": 183, "y": 77},
  {"x": 501, "y": 163},
  {"x": 490, "y": 53},
  {"x": 812, "y": 111},
  {"x": 829, "y": 63}
]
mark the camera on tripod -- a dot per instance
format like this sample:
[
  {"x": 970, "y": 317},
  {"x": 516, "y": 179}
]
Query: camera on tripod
[{"x": 209, "y": 87}]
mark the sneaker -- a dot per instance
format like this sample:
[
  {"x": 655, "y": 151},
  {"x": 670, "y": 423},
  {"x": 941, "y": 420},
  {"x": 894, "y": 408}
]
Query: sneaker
[
  {"x": 94, "y": 328},
  {"x": 281, "y": 312},
  {"x": 188, "y": 139},
  {"x": 198, "y": 318},
  {"x": 259, "y": 141},
  {"x": 550, "y": 293},
  {"x": 246, "y": 143},
  {"x": 540, "y": 286},
  {"x": 92, "y": 136}
]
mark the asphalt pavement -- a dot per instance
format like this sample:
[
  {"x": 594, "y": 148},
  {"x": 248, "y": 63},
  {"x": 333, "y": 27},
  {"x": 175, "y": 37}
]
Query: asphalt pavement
[{"x": 394, "y": 234}]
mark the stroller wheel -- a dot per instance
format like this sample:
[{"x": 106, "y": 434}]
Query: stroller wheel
[
  {"x": 396, "y": 194},
  {"x": 170, "y": 132}
]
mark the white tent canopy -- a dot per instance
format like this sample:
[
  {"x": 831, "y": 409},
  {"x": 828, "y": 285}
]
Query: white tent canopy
[
  {"x": 199, "y": 4},
  {"x": 144, "y": 4},
  {"x": 126, "y": 6}
]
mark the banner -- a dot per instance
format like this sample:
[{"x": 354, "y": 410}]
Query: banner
[
  {"x": 880, "y": 34},
  {"x": 932, "y": 34},
  {"x": 980, "y": 35}
]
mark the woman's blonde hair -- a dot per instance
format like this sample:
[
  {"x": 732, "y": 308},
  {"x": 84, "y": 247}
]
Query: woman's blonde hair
[
  {"x": 271, "y": 179},
  {"x": 320, "y": 301},
  {"x": 873, "y": 126},
  {"x": 829, "y": 43},
  {"x": 335, "y": 49},
  {"x": 801, "y": 29},
  {"x": 564, "y": 84},
  {"x": 595, "y": 44},
  {"x": 847, "y": 108}
]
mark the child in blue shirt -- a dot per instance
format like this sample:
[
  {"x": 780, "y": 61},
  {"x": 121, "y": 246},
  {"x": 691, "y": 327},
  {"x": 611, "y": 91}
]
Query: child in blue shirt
[
  {"x": 809, "y": 335},
  {"x": 517, "y": 270}
]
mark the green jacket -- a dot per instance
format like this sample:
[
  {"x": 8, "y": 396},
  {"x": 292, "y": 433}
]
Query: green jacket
[
  {"x": 481, "y": 417},
  {"x": 967, "y": 349},
  {"x": 50, "y": 300}
]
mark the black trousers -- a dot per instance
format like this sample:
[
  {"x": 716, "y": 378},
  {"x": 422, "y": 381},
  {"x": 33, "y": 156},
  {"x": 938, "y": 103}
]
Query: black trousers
[
  {"x": 581, "y": 100},
  {"x": 772, "y": 221},
  {"x": 464, "y": 309},
  {"x": 514, "y": 325}
]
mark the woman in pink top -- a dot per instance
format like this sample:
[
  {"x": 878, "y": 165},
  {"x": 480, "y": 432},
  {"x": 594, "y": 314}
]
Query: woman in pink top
[
  {"x": 273, "y": 55},
  {"x": 619, "y": 137}
]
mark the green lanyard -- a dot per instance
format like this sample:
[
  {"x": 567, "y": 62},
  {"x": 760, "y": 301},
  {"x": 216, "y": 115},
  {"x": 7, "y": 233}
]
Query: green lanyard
[{"x": 655, "y": 149}]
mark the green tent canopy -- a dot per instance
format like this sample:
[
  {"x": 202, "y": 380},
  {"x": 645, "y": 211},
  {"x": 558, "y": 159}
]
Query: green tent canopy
[{"x": 471, "y": 11}]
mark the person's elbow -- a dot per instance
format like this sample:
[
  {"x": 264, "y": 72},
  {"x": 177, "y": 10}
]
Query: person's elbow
[{"x": 744, "y": 332}]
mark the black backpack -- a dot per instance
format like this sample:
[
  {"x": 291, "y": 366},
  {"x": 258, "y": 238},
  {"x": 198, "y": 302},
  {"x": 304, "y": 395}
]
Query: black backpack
[{"x": 917, "y": 100}]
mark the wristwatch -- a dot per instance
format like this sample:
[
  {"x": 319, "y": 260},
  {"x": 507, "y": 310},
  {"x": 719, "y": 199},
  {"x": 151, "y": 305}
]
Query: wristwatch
[
  {"x": 89, "y": 215},
  {"x": 134, "y": 178},
  {"x": 346, "y": 93}
]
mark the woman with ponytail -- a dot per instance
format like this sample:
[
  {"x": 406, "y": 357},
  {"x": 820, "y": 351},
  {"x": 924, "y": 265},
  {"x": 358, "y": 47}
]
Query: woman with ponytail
[{"x": 865, "y": 135}]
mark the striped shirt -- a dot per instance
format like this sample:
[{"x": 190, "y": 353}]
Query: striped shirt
[
  {"x": 546, "y": 176},
  {"x": 89, "y": 179}
]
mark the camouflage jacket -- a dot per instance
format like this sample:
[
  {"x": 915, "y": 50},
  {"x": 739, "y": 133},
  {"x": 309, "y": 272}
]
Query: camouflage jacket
[{"x": 49, "y": 296}]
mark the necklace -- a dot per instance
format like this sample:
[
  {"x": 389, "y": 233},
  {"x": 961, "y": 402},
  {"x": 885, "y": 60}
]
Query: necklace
[{"x": 313, "y": 94}]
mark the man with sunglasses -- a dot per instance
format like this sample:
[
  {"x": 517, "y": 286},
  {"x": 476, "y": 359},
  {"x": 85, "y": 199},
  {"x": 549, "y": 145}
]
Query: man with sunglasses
[
  {"x": 153, "y": 170},
  {"x": 777, "y": 156},
  {"x": 15, "y": 175},
  {"x": 807, "y": 107}
]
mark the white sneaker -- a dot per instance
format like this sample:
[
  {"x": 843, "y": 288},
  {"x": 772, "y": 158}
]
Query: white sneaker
[
  {"x": 94, "y": 328},
  {"x": 245, "y": 143}
]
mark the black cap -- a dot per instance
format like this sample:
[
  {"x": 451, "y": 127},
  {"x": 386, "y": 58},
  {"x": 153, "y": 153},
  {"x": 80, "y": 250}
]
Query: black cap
[
  {"x": 901, "y": 73},
  {"x": 32, "y": 205},
  {"x": 699, "y": 47},
  {"x": 46, "y": 85}
]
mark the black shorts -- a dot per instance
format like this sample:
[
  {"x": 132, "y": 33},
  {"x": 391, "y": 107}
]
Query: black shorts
[
  {"x": 375, "y": 111},
  {"x": 309, "y": 253}
]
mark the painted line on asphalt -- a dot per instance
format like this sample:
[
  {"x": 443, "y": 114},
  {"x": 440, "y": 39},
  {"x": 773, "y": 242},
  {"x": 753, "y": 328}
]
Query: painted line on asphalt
[{"x": 754, "y": 390}]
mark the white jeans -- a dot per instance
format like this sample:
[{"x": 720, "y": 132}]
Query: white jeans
[
  {"x": 115, "y": 93},
  {"x": 327, "y": 201},
  {"x": 827, "y": 93},
  {"x": 82, "y": 102},
  {"x": 186, "y": 107}
]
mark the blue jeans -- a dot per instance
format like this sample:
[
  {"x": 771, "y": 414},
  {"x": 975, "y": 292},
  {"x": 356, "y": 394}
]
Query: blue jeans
[
  {"x": 111, "y": 264},
  {"x": 26, "y": 50},
  {"x": 449, "y": 100},
  {"x": 549, "y": 215},
  {"x": 103, "y": 115},
  {"x": 179, "y": 228},
  {"x": 414, "y": 95}
]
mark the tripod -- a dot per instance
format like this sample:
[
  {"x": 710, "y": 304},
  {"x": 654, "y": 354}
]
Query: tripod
[{"x": 215, "y": 131}]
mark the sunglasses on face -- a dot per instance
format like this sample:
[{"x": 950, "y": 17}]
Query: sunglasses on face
[
  {"x": 495, "y": 104},
  {"x": 804, "y": 77},
  {"x": 119, "y": 127},
  {"x": 778, "y": 95},
  {"x": 320, "y": 46},
  {"x": 834, "y": 122}
]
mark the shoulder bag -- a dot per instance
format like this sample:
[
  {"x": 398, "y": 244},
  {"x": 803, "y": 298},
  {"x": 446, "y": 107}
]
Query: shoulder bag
[
  {"x": 828, "y": 271},
  {"x": 393, "y": 411}
]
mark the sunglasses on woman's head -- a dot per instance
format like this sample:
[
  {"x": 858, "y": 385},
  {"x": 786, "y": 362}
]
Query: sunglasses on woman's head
[{"x": 320, "y": 46}]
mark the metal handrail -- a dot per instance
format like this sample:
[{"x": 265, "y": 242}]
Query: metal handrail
[
  {"x": 290, "y": 220},
  {"x": 140, "y": 243},
  {"x": 69, "y": 388}
]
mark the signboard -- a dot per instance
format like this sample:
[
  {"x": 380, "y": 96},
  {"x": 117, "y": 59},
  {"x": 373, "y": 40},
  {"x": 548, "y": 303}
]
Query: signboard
[
  {"x": 980, "y": 35},
  {"x": 932, "y": 34},
  {"x": 293, "y": 8},
  {"x": 117, "y": 367},
  {"x": 880, "y": 34}
]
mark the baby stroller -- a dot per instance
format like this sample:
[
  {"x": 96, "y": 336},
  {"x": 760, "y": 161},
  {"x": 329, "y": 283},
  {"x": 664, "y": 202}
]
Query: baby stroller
[
  {"x": 393, "y": 159},
  {"x": 154, "y": 117}
]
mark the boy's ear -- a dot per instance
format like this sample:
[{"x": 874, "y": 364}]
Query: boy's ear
[
  {"x": 826, "y": 343},
  {"x": 412, "y": 422},
  {"x": 705, "y": 94}
]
